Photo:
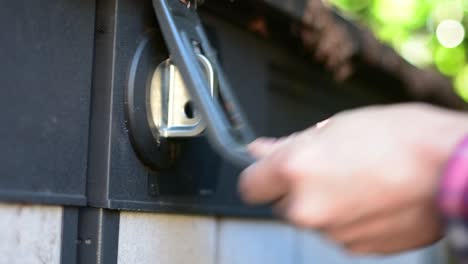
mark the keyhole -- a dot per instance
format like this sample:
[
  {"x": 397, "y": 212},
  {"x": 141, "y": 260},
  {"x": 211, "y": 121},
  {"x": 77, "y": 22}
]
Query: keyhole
[{"x": 188, "y": 110}]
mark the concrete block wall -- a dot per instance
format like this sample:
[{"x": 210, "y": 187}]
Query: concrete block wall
[
  {"x": 203, "y": 240},
  {"x": 32, "y": 234}
]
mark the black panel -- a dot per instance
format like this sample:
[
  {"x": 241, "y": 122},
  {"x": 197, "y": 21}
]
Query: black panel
[
  {"x": 46, "y": 50},
  {"x": 280, "y": 89}
]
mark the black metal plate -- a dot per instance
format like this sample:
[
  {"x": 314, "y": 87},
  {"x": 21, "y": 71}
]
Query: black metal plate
[
  {"x": 46, "y": 50},
  {"x": 280, "y": 90}
]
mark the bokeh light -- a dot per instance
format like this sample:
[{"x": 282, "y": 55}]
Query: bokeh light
[
  {"x": 404, "y": 13},
  {"x": 450, "y": 61},
  {"x": 416, "y": 50},
  {"x": 448, "y": 9},
  {"x": 427, "y": 33},
  {"x": 450, "y": 33},
  {"x": 352, "y": 5}
]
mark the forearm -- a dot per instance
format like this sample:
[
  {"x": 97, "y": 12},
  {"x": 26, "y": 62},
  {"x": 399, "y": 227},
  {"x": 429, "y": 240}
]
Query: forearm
[{"x": 445, "y": 130}]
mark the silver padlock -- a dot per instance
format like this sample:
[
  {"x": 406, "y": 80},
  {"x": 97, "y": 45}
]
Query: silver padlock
[{"x": 171, "y": 111}]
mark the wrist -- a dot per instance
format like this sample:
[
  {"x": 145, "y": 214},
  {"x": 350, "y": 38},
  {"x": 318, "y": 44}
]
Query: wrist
[
  {"x": 440, "y": 132},
  {"x": 449, "y": 135}
]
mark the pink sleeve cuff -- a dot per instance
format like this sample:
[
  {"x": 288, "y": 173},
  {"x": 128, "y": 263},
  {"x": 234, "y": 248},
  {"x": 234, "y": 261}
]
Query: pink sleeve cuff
[{"x": 453, "y": 192}]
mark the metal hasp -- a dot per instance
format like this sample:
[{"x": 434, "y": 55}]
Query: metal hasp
[
  {"x": 171, "y": 111},
  {"x": 228, "y": 131}
]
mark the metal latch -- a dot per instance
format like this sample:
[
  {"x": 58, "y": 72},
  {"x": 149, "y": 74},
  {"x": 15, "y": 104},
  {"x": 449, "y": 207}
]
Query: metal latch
[
  {"x": 171, "y": 111},
  {"x": 227, "y": 129}
]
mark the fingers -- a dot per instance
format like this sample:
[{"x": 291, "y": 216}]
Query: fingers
[
  {"x": 280, "y": 207},
  {"x": 263, "y": 182},
  {"x": 310, "y": 210},
  {"x": 269, "y": 178}
]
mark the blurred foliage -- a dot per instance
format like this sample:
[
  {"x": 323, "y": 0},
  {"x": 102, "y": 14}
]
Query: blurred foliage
[{"x": 427, "y": 33}]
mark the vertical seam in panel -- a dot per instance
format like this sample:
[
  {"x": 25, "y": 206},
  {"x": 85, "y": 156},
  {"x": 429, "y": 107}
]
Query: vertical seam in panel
[{"x": 217, "y": 240}]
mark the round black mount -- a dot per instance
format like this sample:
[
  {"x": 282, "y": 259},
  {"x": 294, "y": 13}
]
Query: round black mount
[{"x": 154, "y": 151}]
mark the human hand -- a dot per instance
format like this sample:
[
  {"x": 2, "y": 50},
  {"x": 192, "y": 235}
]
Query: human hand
[{"x": 367, "y": 179}]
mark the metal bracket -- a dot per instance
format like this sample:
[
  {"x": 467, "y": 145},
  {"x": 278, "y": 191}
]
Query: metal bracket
[
  {"x": 228, "y": 131},
  {"x": 171, "y": 111}
]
